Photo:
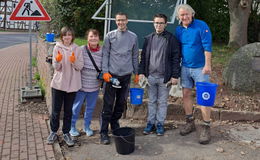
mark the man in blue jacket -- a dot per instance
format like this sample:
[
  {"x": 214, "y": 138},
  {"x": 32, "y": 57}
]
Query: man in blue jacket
[
  {"x": 160, "y": 63},
  {"x": 196, "y": 44}
]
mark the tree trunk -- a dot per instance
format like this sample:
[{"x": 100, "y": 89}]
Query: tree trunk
[{"x": 239, "y": 11}]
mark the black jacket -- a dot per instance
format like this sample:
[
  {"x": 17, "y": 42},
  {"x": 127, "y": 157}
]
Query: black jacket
[{"x": 172, "y": 57}]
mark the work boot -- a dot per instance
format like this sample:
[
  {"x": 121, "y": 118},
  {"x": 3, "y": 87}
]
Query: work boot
[
  {"x": 148, "y": 129},
  {"x": 67, "y": 138},
  {"x": 104, "y": 139},
  {"x": 188, "y": 127},
  {"x": 205, "y": 135},
  {"x": 52, "y": 138}
]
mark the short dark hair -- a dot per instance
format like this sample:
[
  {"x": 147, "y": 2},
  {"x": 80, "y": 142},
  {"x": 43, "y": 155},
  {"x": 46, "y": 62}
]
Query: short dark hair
[
  {"x": 94, "y": 31},
  {"x": 121, "y": 14},
  {"x": 65, "y": 30},
  {"x": 159, "y": 15}
]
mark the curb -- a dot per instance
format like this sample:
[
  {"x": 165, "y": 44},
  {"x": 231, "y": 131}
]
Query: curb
[
  {"x": 56, "y": 146},
  {"x": 176, "y": 112}
]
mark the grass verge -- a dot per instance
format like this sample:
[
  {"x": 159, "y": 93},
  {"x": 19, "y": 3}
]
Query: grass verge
[{"x": 221, "y": 54}]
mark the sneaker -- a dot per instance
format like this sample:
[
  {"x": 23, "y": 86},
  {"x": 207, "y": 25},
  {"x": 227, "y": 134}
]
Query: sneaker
[
  {"x": 205, "y": 135},
  {"x": 74, "y": 132},
  {"x": 68, "y": 140},
  {"x": 188, "y": 127},
  {"x": 52, "y": 138},
  {"x": 148, "y": 129},
  {"x": 88, "y": 131},
  {"x": 104, "y": 139},
  {"x": 159, "y": 129}
]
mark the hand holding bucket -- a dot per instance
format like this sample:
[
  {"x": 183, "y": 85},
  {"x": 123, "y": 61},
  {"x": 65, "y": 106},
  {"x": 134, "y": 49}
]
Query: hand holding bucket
[
  {"x": 206, "y": 93},
  {"x": 136, "y": 96}
]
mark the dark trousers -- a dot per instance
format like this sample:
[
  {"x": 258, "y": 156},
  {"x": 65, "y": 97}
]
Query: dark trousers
[
  {"x": 114, "y": 103},
  {"x": 60, "y": 98}
]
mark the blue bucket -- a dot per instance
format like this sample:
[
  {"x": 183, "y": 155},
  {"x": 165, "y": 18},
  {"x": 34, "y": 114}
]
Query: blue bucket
[
  {"x": 50, "y": 37},
  {"x": 136, "y": 96},
  {"x": 206, "y": 93}
]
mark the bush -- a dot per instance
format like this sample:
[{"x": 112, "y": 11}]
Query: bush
[
  {"x": 73, "y": 13},
  {"x": 216, "y": 14}
]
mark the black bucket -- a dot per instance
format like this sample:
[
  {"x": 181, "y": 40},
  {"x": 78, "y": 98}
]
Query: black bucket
[{"x": 124, "y": 140}]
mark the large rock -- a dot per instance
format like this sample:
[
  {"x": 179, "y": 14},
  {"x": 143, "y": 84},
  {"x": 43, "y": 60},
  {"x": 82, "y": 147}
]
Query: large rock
[{"x": 243, "y": 71}]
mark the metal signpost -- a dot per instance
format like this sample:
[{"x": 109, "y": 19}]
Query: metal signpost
[{"x": 30, "y": 10}]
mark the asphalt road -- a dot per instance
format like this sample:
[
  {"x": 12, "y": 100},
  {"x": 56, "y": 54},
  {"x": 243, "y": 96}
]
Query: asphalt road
[{"x": 10, "y": 39}]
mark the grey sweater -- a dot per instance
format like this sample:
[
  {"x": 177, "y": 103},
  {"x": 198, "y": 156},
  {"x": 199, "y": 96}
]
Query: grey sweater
[
  {"x": 89, "y": 80},
  {"x": 120, "y": 53}
]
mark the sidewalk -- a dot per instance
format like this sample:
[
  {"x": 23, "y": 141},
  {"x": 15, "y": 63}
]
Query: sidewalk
[{"x": 22, "y": 134}]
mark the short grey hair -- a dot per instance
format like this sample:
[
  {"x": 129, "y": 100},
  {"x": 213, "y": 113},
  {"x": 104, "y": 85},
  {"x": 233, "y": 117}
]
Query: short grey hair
[{"x": 185, "y": 7}]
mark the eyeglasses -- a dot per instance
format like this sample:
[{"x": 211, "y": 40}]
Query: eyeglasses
[{"x": 159, "y": 23}]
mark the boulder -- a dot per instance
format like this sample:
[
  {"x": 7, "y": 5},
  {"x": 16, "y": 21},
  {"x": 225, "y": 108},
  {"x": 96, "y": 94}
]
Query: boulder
[{"x": 242, "y": 73}]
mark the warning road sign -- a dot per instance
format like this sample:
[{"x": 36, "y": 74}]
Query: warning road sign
[{"x": 30, "y": 10}]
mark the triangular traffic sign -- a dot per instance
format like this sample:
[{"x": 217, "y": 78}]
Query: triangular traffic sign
[{"x": 30, "y": 10}]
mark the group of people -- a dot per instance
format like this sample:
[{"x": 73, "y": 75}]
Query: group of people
[{"x": 165, "y": 58}]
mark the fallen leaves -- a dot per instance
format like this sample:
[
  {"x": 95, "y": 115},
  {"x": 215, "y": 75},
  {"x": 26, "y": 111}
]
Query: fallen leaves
[{"x": 220, "y": 150}]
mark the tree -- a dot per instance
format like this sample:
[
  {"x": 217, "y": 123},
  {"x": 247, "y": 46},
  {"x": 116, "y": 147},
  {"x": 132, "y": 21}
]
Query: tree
[
  {"x": 74, "y": 13},
  {"x": 239, "y": 11}
]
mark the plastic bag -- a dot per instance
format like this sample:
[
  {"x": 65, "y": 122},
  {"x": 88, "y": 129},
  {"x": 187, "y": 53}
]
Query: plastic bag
[{"x": 176, "y": 90}]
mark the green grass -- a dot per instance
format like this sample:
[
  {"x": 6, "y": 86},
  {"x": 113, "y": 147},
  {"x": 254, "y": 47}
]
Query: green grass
[
  {"x": 42, "y": 86},
  {"x": 80, "y": 41},
  {"x": 34, "y": 61},
  {"x": 221, "y": 54},
  {"x": 37, "y": 76},
  {"x": 39, "y": 82}
]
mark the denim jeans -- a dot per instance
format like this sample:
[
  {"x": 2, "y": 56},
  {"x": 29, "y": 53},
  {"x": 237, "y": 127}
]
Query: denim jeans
[
  {"x": 158, "y": 95},
  {"x": 189, "y": 77},
  {"x": 91, "y": 99},
  {"x": 59, "y": 99}
]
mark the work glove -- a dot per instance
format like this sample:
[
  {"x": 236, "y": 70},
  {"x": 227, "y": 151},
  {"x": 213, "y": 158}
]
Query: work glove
[
  {"x": 72, "y": 58},
  {"x": 136, "y": 80},
  {"x": 58, "y": 57},
  {"x": 106, "y": 77}
]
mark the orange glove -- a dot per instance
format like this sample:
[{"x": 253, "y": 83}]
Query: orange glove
[
  {"x": 136, "y": 80},
  {"x": 72, "y": 58},
  {"x": 106, "y": 77},
  {"x": 58, "y": 57}
]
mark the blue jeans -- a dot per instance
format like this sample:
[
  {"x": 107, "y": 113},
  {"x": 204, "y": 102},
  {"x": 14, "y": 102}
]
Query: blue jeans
[
  {"x": 91, "y": 99},
  {"x": 189, "y": 76},
  {"x": 158, "y": 95}
]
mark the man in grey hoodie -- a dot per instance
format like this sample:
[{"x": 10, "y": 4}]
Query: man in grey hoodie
[{"x": 120, "y": 60}]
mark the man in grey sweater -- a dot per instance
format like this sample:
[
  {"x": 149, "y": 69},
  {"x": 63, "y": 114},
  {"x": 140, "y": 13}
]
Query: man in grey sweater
[{"x": 120, "y": 60}]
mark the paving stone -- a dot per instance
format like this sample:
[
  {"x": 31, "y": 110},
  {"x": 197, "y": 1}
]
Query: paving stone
[{"x": 17, "y": 135}]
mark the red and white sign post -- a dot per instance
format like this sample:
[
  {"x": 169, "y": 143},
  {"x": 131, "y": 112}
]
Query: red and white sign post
[{"x": 30, "y": 10}]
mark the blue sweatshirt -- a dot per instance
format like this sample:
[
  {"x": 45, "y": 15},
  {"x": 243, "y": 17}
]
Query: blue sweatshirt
[{"x": 194, "y": 40}]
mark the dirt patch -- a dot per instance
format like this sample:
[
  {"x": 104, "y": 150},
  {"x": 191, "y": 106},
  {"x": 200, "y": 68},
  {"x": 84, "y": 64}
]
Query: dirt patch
[
  {"x": 227, "y": 98},
  {"x": 233, "y": 100},
  {"x": 39, "y": 107}
]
